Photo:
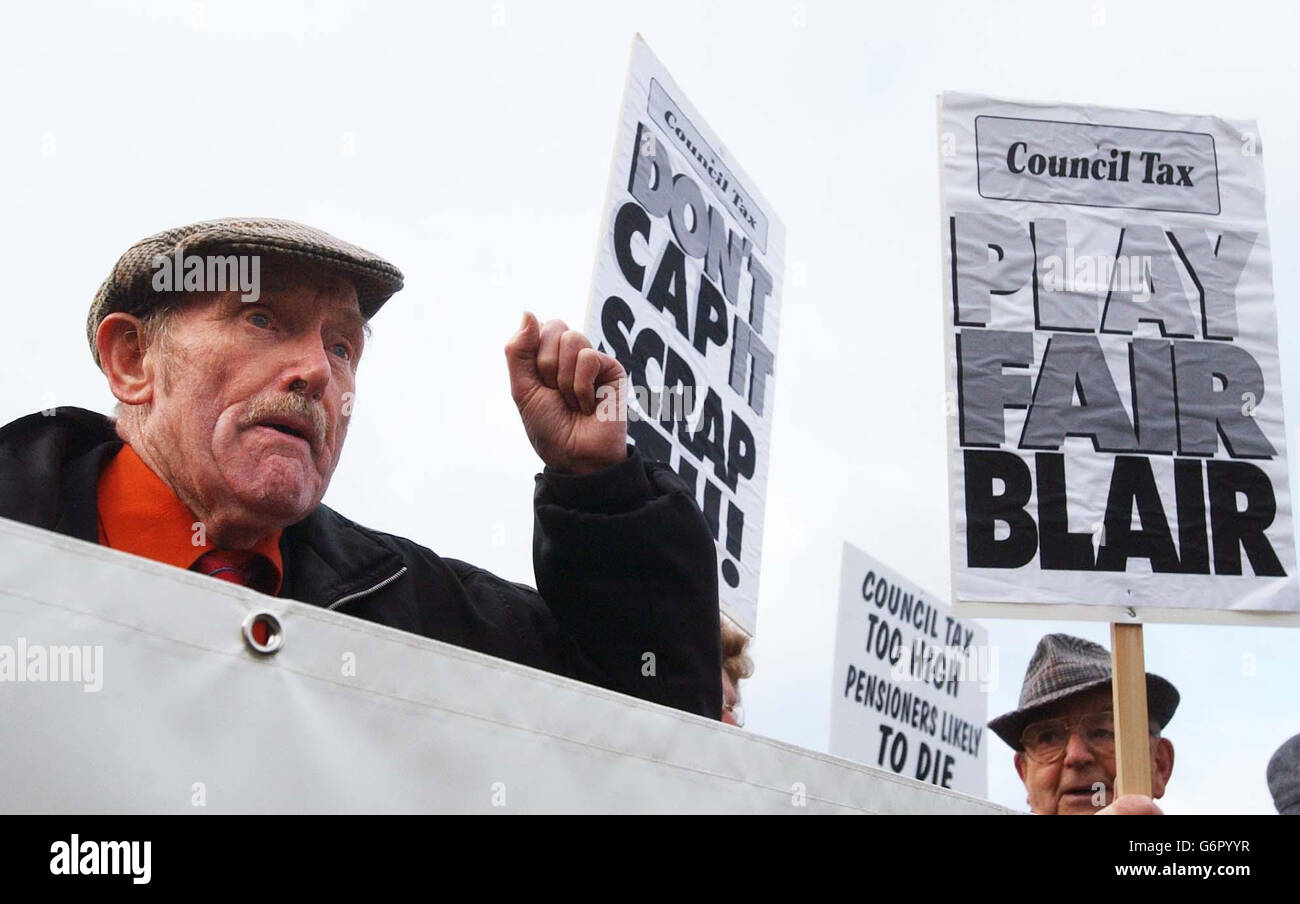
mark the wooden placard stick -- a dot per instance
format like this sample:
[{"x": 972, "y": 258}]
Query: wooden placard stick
[{"x": 1129, "y": 684}]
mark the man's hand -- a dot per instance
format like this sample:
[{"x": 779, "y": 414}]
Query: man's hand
[
  {"x": 554, "y": 378},
  {"x": 1132, "y": 805}
]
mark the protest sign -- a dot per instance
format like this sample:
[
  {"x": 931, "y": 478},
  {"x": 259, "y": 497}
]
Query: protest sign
[
  {"x": 686, "y": 294},
  {"x": 911, "y": 681},
  {"x": 1116, "y": 435}
]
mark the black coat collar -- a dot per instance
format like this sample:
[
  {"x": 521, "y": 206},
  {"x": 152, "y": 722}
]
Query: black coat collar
[{"x": 49, "y": 477}]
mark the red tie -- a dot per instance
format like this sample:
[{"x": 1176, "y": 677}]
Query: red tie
[{"x": 238, "y": 567}]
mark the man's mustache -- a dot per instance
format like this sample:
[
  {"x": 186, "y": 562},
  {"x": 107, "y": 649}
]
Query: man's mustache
[{"x": 291, "y": 405}]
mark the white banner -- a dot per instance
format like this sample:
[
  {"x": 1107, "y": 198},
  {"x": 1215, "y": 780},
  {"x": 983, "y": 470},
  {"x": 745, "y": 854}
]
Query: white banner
[
  {"x": 687, "y": 295},
  {"x": 127, "y": 686},
  {"x": 911, "y": 681},
  {"x": 1116, "y": 435}
]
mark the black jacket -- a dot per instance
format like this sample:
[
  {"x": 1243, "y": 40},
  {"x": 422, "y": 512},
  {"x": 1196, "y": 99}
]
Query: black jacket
[{"x": 624, "y": 562}]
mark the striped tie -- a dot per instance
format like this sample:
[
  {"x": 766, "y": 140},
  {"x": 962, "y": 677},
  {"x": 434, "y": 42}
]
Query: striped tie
[{"x": 238, "y": 567}]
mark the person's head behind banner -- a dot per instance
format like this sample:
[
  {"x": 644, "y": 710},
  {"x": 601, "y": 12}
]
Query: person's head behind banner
[
  {"x": 1284, "y": 777},
  {"x": 736, "y": 666},
  {"x": 1063, "y": 731}
]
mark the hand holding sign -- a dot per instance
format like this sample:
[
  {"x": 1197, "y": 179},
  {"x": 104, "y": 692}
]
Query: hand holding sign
[
  {"x": 554, "y": 378},
  {"x": 1132, "y": 805}
]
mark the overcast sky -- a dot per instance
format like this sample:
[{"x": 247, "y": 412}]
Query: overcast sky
[{"x": 469, "y": 143}]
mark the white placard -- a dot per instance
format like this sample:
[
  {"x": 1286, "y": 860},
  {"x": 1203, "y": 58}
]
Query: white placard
[
  {"x": 1114, "y": 407},
  {"x": 127, "y": 687},
  {"x": 911, "y": 681},
  {"x": 687, "y": 295}
]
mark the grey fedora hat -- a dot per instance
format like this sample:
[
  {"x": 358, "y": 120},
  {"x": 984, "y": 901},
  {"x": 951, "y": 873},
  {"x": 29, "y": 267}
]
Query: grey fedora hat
[
  {"x": 1064, "y": 665},
  {"x": 129, "y": 287}
]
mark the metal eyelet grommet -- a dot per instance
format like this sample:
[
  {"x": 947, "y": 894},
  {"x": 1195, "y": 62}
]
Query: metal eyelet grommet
[{"x": 262, "y": 631}]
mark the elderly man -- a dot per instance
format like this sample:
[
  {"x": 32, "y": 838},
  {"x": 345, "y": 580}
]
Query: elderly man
[
  {"x": 1064, "y": 732},
  {"x": 233, "y": 407}
]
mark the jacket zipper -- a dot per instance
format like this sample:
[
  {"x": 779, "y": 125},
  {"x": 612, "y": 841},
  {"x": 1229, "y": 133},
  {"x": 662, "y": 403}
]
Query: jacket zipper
[{"x": 360, "y": 593}]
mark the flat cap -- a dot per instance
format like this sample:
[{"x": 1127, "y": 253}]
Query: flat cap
[
  {"x": 129, "y": 287},
  {"x": 1064, "y": 665}
]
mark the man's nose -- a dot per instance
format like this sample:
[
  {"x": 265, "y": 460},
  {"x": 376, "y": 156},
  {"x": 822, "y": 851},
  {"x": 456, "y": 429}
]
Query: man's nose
[
  {"x": 309, "y": 370},
  {"x": 1077, "y": 753}
]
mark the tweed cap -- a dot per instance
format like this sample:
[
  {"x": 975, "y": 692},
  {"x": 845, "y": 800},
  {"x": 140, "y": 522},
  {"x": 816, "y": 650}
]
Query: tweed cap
[
  {"x": 129, "y": 287},
  {"x": 1063, "y": 666},
  {"x": 1284, "y": 777}
]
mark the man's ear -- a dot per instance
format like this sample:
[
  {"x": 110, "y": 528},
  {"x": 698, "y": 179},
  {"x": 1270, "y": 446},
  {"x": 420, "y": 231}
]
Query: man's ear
[
  {"x": 120, "y": 343},
  {"x": 1019, "y": 760},
  {"x": 1162, "y": 765}
]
